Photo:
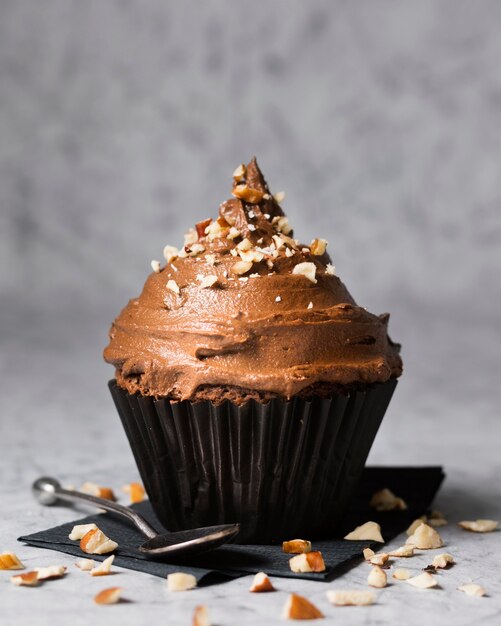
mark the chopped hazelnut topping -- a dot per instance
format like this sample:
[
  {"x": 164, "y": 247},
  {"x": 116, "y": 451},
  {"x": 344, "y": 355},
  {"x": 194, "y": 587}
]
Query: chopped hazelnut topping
[
  {"x": 179, "y": 581},
  {"x": 261, "y": 583},
  {"x": 403, "y": 552},
  {"x": 80, "y": 531},
  {"x": 28, "y": 579},
  {"x": 472, "y": 589},
  {"x": 108, "y": 596},
  {"x": 401, "y": 574},
  {"x": 423, "y": 581},
  {"x": 380, "y": 559},
  {"x": 283, "y": 225},
  {"x": 201, "y": 616},
  {"x": 425, "y": 538},
  {"x": 368, "y": 554},
  {"x": 307, "y": 562},
  {"x": 479, "y": 525},
  {"x": 386, "y": 500},
  {"x": 278, "y": 299},
  {"x": 50, "y": 573},
  {"x": 210, "y": 259},
  {"x": 173, "y": 286},
  {"x": 170, "y": 253},
  {"x": 202, "y": 226},
  {"x": 96, "y": 542},
  {"x": 306, "y": 269},
  {"x": 8, "y": 560},
  {"x": 207, "y": 281},
  {"x": 297, "y": 607},
  {"x": 104, "y": 568},
  {"x": 279, "y": 242},
  {"x": 377, "y": 578},
  {"x": 86, "y": 565},
  {"x": 98, "y": 491},
  {"x": 296, "y": 546},
  {"x": 245, "y": 245},
  {"x": 135, "y": 491},
  {"x": 310, "y": 305},
  {"x": 190, "y": 237},
  {"x": 195, "y": 249},
  {"x": 370, "y": 531},
  {"x": 155, "y": 266},
  {"x": 267, "y": 215},
  {"x": 248, "y": 194},
  {"x": 252, "y": 255},
  {"x": 215, "y": 230},
  {"x": 241, "y": 267},
  {"x": 330, "y": 270},
  {"x": 239, "y": 173},
  {"x": 233, "y": 233},
  {"x": 279, "y": 197},
  {"x": 234, "y": 252},
  {"x": 251, "y": 227},
  {"x": 441, "y": 561},
  {"x": 289, "y": 252},
  {"x": 415, "y": 524},
  {"x": 354, "y": 597},
  {"x": 318, "y": 246}
]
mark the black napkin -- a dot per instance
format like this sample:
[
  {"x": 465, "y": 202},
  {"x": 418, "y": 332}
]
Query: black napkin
[{"x": 416, "y": 485}]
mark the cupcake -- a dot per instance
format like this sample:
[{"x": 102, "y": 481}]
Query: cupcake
[{"x": 249, "y": 382}]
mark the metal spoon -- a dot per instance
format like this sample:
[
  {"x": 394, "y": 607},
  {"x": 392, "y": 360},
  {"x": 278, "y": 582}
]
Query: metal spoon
[{"x": 195, "y": 540}]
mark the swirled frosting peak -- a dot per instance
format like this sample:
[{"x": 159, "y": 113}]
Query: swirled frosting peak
[{"x": 243, "y": 308}]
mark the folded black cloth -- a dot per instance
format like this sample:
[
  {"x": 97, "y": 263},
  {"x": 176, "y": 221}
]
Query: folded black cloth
[{"x": 416, "y": 485}]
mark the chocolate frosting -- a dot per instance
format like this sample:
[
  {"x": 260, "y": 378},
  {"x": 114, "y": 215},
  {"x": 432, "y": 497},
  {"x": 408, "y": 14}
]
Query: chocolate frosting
[{"x": 233, "y": 309}]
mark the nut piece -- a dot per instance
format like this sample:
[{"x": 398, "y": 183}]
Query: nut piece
[
  {"x": 239, "y": 173},
  {"x": 479, "y": 525},
  {"x": 379, "y": 559},
  {"x": 279, "y": 197},
  {"x": 402, "y": 552},
  {"x": 386, "y": 500},
  {"x": 201, "y": 227},
  {"x": 441, "y": 561},
  {"x": 425, "y": 538},
  {"x": 50, "y": 573},
  {"x": 307, "y": 269},
  {"x": 201, "y": 616},
  {"x": 307, "y": 562},
  {"x": 350, "y": 597},
  {"x": 136, "y": 492},
  {"x": 377, "y": 578},
  {"x": 241, "y": 267},
  {"x": 330, "y": 270},
  {"x": 29, "y": 579},
  {"x": 80, "y": 530},
  {"x": 415, "y": 524},
  {"x": 170, "y": 253},
  {"x": 111, "y": 595},
  {"x": 472, "y": 589},
  {"x": 318, "y": 246},
  {"x": 261, "y": 583},
  {"x": 173, "y": 286},
  {"x": 423, "y": 581},
  {"x": 370, "y": 531},
  {"x": 437, "y": 519},
  {"x": 244, "y": 192},
  {"x": 296, "y": 546},
  {"x": 98, "y": 491},
  {"x": 104, "y": 568},
  {"x": 178, "y": 581},
  {"x": 401, "y": 574},
  {"x": 86, "y": 565},
  {"x": 96, "y": 542},
  {"x": 8, "y": 560},
  {"x": 233, "y": 233},
  {"x": 155, "y": 266},
  {"x": 368, "y": 554},
  {"x": 207, "y": 281},
  {"x": 297, "y": 607}
]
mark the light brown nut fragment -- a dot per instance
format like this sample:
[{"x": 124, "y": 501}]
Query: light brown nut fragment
[
  {"x": 233, "y": 233},
  {"x": 244, "y": 192},
  {"x": 239, "y": 173},
  {"x": 254, "y": 256},
  {"x": 298, "y": 607},
  {"x": 261, "y": 583},
  {"x": 202, "y": 226},
  {"x": 170, "y": 253},
  {"x": 207, "y": 281},
  {"x": 386, "y": 500},
  {"x": 377, "y": 578},
  {"x": 215, "y": 230},
  {"x": 296, "y": 546},
  {"x": 379, "y": 559},
  {"x": 80, "y": 530},
  {"x": 401, "y": 574},
  {"x": 307, "y": 269},
  {"x": 472, "y": 589},
  {"x": 479, "y": 525},
  {"x": 368, "y": 554},
  {"x": 104, "y": 568},
  {"x": 86, "y": 565},
  {"x": 155, "y": 266},
  {"x": 96, "y": 542},
  {"x": 50, "y": 573},
  {"x": 28, "y": 579},
  {"x": 96, "y": 490},
  {"x": 307, "y": 562},
  {"x": 423, "y": 581},
  {"x": 241, "y": 267},
  {"x": 354, "y": 597},
  {"x": 417, "y": 522},
  {"x": 8, "y": 560},
  {"x": 279, "y": 197},
  {"x": 179, "y": 581},
  {"x": 111, "y": 595},
  {"x": 402, "y": 552},
  {"x": 201, "y": 616},
  {"x": 318, "y": 246},
  {"x": 425, "y": 538},
  {"x": 173, "y": 286},
  {"x": 441, "y": 561},
  {"x": 245, "y": 244},
  {"x": 330, "y": 270},
  {"x": 370, "y": 531},
  {"x": 136, "y": 492}
]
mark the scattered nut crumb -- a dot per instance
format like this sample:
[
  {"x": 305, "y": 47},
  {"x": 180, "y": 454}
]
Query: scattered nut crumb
[
  {"x": 401, "y": 574},
  {"x": 379, "y": 559},
  {"x": 111, "y": 595},
  {"x": 472, "y": 589},
  {"x": 261, "y": 583},
  {"x": 423, "y": 581},
  {"x": 318, "y": 246},
  {"x": 80, "y": 530},
  {"x": 279, "y": 197},
  {"x": 86, "y": 565},
  {"x": 233, "y": 233},
  {"x": 278, "y": 299},
  {"x": 330, "y": 270},
  {"x": 298, "y": 607},
  {"x": 403, "y": 552},
  {"x": 241, "y": 267},
  {"x": 479, "y": 525},
  {"x": 244, "y": 192},
  {"x": 307, "y": 562},
  {"x": 441, "y": 561},
  {"x": 307, "y": 269},
  {"x": 239, "y": 173},
  {"x": 296, "y": 546},
  {"x": 50, "y": 573},
  {"x": 170, "y": 253},
  {"x": 245, "y": 244},
  {"x": 173, "y": 286},
  {"x": 155, "y": 266},
  {"x": 179, "y": 581},
  {"x": 310, "y": 305},
  {"x": 368, "y": 554},
  {"x": 377, "y": 578},
  {"x": 136, "y": 492},
  {"x": 8, "y": 560},
  {"x": 370, "y": 531},
  {"x": 354, "y": 597},
  {"x": 425, "y": 538},
  {"x": 28, "y": 579},
  {"x": 415, "y": 524},
  {"x": 96, "y": 542},
  {"x": 201, "y": 616},
  {"x": 104, "y": 568},
  {"x": 289, "y": 252},
  {"x": 99, "y": 492},
  {"x": 386, "y": 500},
  {"x": 207, "y": 281}
]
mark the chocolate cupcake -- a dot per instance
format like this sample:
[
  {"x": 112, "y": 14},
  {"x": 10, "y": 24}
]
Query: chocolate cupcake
[{"x": 250, "y": 384}]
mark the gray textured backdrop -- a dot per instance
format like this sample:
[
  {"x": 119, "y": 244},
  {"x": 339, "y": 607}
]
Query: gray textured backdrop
[{"x": 121, "y": 122}]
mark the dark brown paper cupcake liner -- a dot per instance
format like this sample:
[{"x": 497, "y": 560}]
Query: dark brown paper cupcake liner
[{"x": 281, "y": 469}]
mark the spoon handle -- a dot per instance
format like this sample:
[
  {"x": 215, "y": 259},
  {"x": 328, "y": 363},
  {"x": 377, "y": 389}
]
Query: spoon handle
[{"x": 48, "y": 491}]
